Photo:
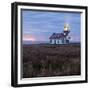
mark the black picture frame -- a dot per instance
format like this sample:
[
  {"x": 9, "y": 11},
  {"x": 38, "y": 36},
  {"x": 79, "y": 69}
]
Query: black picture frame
[{"x": 14, "y": 43}]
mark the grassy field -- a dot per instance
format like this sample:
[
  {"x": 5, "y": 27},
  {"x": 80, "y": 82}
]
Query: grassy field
[{"x": 44, "y": 60}]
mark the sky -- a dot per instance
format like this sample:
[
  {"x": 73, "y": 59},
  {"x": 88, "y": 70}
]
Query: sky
[{"x": 40, "y": 25}]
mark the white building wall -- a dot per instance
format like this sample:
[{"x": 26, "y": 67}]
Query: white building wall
[
  {"x": 52, "y": 42},
  {"x": 57, "y": 41}
]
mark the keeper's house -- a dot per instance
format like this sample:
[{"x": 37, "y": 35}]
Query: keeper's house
[{"x": 61, "y": 38}]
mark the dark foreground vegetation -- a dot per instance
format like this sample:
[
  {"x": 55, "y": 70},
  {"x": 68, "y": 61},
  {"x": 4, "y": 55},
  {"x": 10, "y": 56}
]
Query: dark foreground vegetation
[{"x": 44, "y": 60}]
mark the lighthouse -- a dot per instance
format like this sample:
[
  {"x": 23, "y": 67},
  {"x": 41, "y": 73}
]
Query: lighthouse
[
  {"x": 61, "y": 38},
  {"x": 66, "y": 32},
  {"x": 66, "y": 29}
]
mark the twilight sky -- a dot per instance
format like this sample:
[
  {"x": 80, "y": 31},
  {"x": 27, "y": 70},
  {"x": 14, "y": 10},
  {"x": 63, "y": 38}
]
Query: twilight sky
[{"x": 39, "y": 25}]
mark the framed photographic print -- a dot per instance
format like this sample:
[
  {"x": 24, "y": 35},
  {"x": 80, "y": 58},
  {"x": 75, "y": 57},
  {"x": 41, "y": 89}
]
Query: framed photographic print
[{"x": 49, "y": 44}]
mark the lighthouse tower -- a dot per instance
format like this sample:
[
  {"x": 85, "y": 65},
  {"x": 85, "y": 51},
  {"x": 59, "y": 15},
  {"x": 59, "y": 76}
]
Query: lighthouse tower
[
  {"x": 66, "y": 29},
  {"x": 66, "y": 33}
]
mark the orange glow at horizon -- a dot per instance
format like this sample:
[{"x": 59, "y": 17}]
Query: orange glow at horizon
[{"x": 28, "y": 38}]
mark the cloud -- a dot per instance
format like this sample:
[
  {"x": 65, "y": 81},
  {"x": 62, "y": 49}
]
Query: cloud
[{"x": 42, "y": 24}]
